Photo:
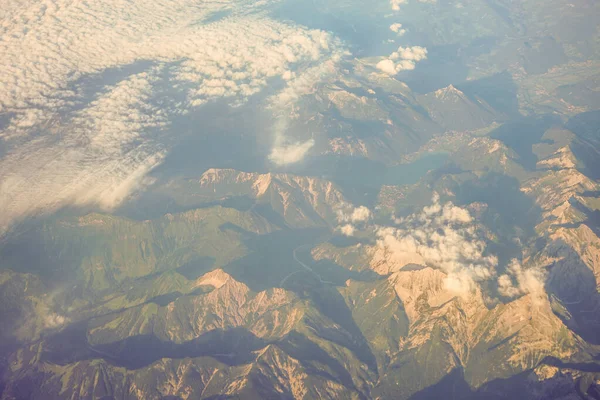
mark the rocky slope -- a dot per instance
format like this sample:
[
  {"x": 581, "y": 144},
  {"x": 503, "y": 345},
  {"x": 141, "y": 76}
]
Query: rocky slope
[{"x": 185, "y": 316}]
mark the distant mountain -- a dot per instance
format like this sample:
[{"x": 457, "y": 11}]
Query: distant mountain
[
  {"x": 428, "y": 229},
  {"x": 169, "y": 307},
  {"x": 453, "y": 110}
]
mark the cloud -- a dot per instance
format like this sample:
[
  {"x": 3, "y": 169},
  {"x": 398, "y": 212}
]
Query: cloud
[
  {"x": 360, "y": 214},
  {"x": 285, "y": 150},
  {"x": 45, "y": 47},
  {"x": 387, "y": 66},
  {"x": 54, "y": 321},
  {"x": 519, "y": 281},
  {"x": 346, "y": 213},
  {"x": 284, "y": 154},
  {"x": 397, "y": 28},
  {"x": 397, "y": 3},
  {"x": 405, "y": 58},
  {"x": 95, "y": 159},
  {"x": 68, "y": 145},
  {"x": 443, "y": 237},
  {"x": 348, "y": 217},
  {"x": 347, "y": 230},
  {"x": 415, "y": 53}
]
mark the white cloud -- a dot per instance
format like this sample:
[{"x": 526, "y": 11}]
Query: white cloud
[
  {"x": 397, "y": 28},
  {"x": 397, "y": 3},
  {"x": 360, "y": 214},
  {"x": 415, "y": 53},
  {"x": 443, "y": 237},
  {"x": 54, "y": 321},
  {"x": 347, "y": 230},
  {"x": 290, "y": 153},
  {"x": 387, "y": 66},
  {"x": 519, "y": 281},
  {"x": 348, "y": 217},
  {"x": 62, "y": 150},
  {"x": 285, "y": 150},
  {"x": 346, "y": 213},
  {"x": 404, "y": 59},
  {"x": 91, "y": 158}
]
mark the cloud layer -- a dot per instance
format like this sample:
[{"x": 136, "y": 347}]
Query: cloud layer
[{"x": 67, "y": 145}]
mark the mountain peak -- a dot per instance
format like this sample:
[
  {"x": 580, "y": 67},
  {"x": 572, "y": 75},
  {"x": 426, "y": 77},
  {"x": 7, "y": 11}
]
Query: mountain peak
[
  {"x": 262, "y": 183},
  {"x": 216, "y": 278},
  {"x": 447, "y": 92}
]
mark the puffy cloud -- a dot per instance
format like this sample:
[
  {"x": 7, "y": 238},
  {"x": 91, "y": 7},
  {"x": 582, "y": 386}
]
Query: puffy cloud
[
  {"x": 55, "y": 321},
  {"x": 443, "y": 237},
  {"x": 62, "y": 148},
  {"x": 47, "y": 46},
  {"x": 519, "y": 281},
  {"x": 387, "y": 66},
  {"x": 397, "y": 28},
  {"x": 348, "y": 217},
  {"x": 360, "y": 214},
  {"x": 397, "y": 3},
  {"x": 356, "y": 215},
  {"x": 290, "y": 153},
  {"x": 347, "y": 230},
  {"x": 405, "y": 58},
  {"x": 259, "y": 50},
  {"x": 415, "y": 53}
]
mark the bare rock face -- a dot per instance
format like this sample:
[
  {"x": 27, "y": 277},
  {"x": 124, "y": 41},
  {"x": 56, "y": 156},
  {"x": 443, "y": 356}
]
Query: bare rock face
[
  {"x": 302, "y": 201},
  {"x": 188, "y": 305}
]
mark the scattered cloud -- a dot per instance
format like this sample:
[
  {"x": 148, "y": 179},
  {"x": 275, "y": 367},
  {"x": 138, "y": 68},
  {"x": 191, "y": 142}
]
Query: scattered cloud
[
  {"x": 290, "y": 153},
  {"x": 518, "y": 281},
  {"x": 346, "y": 213},
  {"x": 286, "y": 150},
  {"x": 405, "y": 58},
  {"x": 360, "y": 214},
  {"x": 397, "y": 28},
  {"x": 444, "y": 237},
  {"x": 54, "y": 321},
  {"x": 65, "y": 147},
  {"x": 347, "y": 230},
  {"x": 397, "y": 3},
  {"x": 350, "y": 217}
]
